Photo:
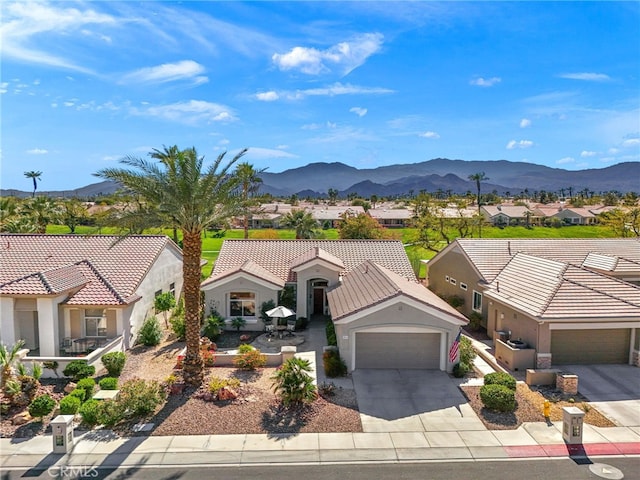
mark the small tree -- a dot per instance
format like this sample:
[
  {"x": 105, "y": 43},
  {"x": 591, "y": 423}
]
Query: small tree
[
  {"x": 150, "y": 334},
  {"x": 163, "y": 303},
  {"x": 238, "y": 323},
  {"x": 293, "y": 382}
]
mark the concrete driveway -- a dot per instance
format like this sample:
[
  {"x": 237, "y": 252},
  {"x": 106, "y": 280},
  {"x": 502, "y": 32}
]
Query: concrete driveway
[
  {"x": 612, "y": 389},
  {"x": 412, "y": 401}
]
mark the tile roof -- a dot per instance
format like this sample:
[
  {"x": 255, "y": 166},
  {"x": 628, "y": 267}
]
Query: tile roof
[
  {"x": 110, "y": 267},
  {"x": 369, "y": 284},
  {"x": 316, "y": 253},
  {"x": 276, "y": 255},
  {"x": 391, "y": 213},
  {"x": 512, "y": 211},
  {"x": 252, "y": 268},
  {"x": 550, "y": 289},
  {"x": 490, "y": 255}
]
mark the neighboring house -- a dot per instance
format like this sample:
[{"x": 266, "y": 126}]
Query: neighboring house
[
  {"x": 576, "y": 216},
  {"x": 572, "y": 300},
  {"x": 368, "y": 286},
  {"x": 392, "y": 217},
  {"x": 59, "y": 289},
  {"x": 332, "y": 214},
  {"x": 506, "y": 214}
]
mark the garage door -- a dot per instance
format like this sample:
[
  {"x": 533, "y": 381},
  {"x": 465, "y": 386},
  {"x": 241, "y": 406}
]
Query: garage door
[
  {"x": 398, "y": 350},
  {"x": 590, "y": 346}
]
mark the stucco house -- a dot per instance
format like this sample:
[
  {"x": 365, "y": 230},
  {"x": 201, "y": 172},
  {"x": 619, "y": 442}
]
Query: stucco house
[
  {"x": 392, "y": 217},
  {"x": 383, "y": 317},
  {"x": 506, "y": 214},
  {"x": 64, "y": 294},
  {"x": 570, "y": 300}
]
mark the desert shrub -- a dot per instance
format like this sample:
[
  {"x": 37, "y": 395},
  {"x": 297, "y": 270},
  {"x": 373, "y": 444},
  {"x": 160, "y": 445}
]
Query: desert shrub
[
  {"x": 178, "y": 325},
  {"x": 245, "y": 347},
  {"x": 41, "y": 406},
  {"x": 467, "y": 352},
  {"x": 500, "y": 378},
  {"x": 78, "y": 369},
  {"x": 250, "y": 360},
  {"x": 88, "y": 385},
  {"x": 69, "y": 405},
  {"x": 217, "y": 383},
  {"x": 327, "y": 388},
  {"x": 108, "y": 383},
  {"x": 460, "y": 369},
  {"x": 293, "y": 382},
  {"x": 264, "y": 308},
  {"x": 208, "y": 358},
  {"x": 475, "y": 321},
  {"x": 12, "y": 387},
  {"x": 79, "y": 393},
  {"x": 498, "y": 398},
  {"x": 90, "y": 412},
  {"x": 455, "y": 301},
  {"x": 238, "y": 323},
  {"x": 151, "y": 333},
  {"x": 331, "y": 333},
  {"x": 334, "y": 366},
  {"x": 114, "y": 363},
  {"x": 139, "y": 397},
  {"x": 212, "y": 327}
]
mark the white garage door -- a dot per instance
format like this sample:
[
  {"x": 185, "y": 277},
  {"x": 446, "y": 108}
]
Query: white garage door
[
  {"x": 590, "y": 346},
  {"x": 397, "y": 350}
]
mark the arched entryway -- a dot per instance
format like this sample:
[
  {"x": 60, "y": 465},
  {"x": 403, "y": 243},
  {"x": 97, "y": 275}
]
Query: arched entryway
[{"x": 318, "y": 297}]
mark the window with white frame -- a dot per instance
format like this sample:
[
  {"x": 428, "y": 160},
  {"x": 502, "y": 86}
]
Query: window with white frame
[
  {"x": 477, "y": 301},
  {"x": 242, "y": 304},
  {"x": 172, "y": 289},
  {"x": 463, "y": 286},
  {"x": 95, "y": 322},
  {"x": 446, "y": 278},
  {"x": 453, "y": 281}
]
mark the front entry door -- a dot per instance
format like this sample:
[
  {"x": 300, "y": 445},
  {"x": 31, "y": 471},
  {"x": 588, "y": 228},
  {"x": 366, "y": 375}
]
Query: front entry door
[{"x": 318, "y": 301}]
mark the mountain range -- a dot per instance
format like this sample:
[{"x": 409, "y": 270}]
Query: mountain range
[{"x": 315, "y": 179}]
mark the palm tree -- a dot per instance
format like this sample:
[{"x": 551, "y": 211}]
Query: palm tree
[
  {"x": 478, "y": 177},
  {"x": 41, "y": 211},
  {"x": 178, "y": 186},
  {"x": 303, "y": 222},
  {"x": 249, "y": 183},
  {"x": 34, "y": 175}
]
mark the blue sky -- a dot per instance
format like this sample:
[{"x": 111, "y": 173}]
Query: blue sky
[{"x": 367, "y": 84}]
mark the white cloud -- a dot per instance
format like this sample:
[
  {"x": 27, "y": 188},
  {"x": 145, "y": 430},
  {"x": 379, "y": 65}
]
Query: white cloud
[
  {"x": 267, "y": 153},
  {"x": 361, "y": 112},
  {"x": 190, "y": 112},
  {"x": 519, "y": 144},
  {"x": 485, "y": 82},
  {"x": 269, "y": 96},
  {"x": 345, "y": 56},
  {"x": 37, "y": 151},
  {"x": 588, "y": 76},
  {"x": 631, "y": 142},
  {"x": 3, "y": 87},
  {"x": 588, "y": 153},
  {"x": 283, "y": 147},
  {"x": 565, "y": 160},
  {"x": 525, "y": 122},
  {"x": 430, "y": 134},
  {"x": 168, "y": 72},
  {"x": 110, "y": 158}
]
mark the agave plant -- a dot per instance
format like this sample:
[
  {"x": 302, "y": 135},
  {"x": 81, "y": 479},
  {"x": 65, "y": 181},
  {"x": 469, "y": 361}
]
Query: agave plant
[{"x": 8, "y": 357}]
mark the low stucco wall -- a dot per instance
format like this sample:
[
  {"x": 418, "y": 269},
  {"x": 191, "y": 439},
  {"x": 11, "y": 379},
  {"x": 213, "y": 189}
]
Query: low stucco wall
[
  {"x": 515, "y": 358},
  {"x": 541, "y": 377}
]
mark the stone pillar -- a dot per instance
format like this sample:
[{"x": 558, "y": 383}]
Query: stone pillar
[
  {"x": 543, "y": 360},
  {"x": 635, "y": 358},
  {"x": 7, "y": 326},
  {"x": 567, "y": 383},
  {"x": 287, "y": 352}
]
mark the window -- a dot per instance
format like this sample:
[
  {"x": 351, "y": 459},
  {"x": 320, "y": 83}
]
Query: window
[
  {"x": 463, "y": 286},
  {"x": 158, "y": 292},
  {"x": 242, "y": 304},
  {"x": 453, "y": 281},
  {"x": 95, "y": 322},
  {"x": 477, "y": 301},
  {"x": 172, "y": 289},
  {"x": 446, "y": 278}
]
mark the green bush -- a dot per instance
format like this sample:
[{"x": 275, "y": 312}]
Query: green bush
[
  {"x": 139, "y": 398},
  {"x": 498, "y": 398},
  {"x": 90, "y": 412},
  {"x": 151, "y": 333},
  {"x": 475, "y": 321},
  {"x": 293, "y": 382},
  {"x": 78, "y": 369},
  {"x": 461, "y": 369},
  {"x": 108, "y": 383},
  {"x": 212, "y": 327},
  {"x": 245, "y": 347},
  {"x": 79, "y": 393},
  {"x": 500, "y": 378},
  {"x": 41, "y": 406},
  {"x": 334, "y": 366},
  {"x": 467, "y": 352},
  {"x": 250, "y": 360},
  {"x": 217, "y": 383},
  {"x": 301, "y": 323},
  {"x": 455, "y": 301},
  {"x": 114, "y": 363},
  {"x": 69, "y": 405},
  {"x": 331, "y": 333},
  {"x": 88, "y": 385},
  {"x": 178, "y": 326},
  {"x": 238, "y": 323}
]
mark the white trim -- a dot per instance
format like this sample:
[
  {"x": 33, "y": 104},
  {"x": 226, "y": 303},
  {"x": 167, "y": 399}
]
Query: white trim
[
  {"x": 318, "y": 262},
  {"x": 473, "y": 301},
  {"x": 241, "y": 275},
  {"x": 593, "y": 326},
  {"x": 463, "y": 286}
]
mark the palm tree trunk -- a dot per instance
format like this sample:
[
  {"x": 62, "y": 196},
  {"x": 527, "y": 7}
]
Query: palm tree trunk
[{"x": 193, "y": 367}]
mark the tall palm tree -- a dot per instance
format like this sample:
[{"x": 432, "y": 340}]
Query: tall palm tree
[
  {"x": 478, "y": 177},
  {"x": 178, "y": 186},
  {"x": 34, "y": 175},
  {"x": 250, "y": 181},
  {"x": 303, "y": 223}
]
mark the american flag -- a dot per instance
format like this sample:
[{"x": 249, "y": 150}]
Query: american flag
[{"x": 455, "y": 346}]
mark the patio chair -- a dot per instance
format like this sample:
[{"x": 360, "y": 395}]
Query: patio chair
[
  {"x": 291, "y": 327},
  {"x": 269, "y": 329},
  {"x": 66, "y": 345}
]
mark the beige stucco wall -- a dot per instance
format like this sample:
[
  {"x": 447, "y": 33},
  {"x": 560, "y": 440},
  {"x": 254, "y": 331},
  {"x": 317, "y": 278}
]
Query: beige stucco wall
[
  {"x": 314, "y": 271},
  {"x": 502, "y": 317},
  {"x": 395, "y": 316}
]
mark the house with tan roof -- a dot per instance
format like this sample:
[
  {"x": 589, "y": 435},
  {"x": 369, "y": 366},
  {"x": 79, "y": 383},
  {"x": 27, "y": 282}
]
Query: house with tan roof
[
  {"x": 67, "y": 294},
  {"x": 570, "y": 300},
  {"x": 392, "y": 217},
  {"x": 506, "y": 214},
  {"x": 367, "y": 287}
]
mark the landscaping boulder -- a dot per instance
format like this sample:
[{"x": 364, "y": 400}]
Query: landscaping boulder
[
  {"x": 227, "y": 393},
  {"x": 21, "y": 418},
  {"x": 70, "y": 387}
]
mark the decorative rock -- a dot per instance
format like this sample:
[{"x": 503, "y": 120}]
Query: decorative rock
[
  {"x": 21, "y": 418},
  {"x": 244, "y": 338},
  {"x": 227, "y": 393},
  {"x": 70, "y": 387}
]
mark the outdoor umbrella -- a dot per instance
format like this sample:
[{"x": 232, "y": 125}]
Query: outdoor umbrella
[{"x": 280, "y": 312}]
